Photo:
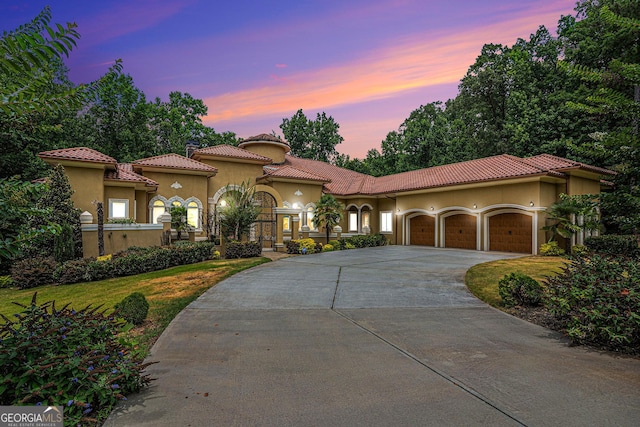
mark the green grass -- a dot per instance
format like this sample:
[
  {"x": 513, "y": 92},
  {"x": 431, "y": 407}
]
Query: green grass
[
  {"x": 167, "y": 291},
  {"x": 482, "y": 279}
]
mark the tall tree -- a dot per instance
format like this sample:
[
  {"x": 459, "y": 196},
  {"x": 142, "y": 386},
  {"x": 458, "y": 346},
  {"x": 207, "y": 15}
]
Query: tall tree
[{"x": 312, "y": 139}]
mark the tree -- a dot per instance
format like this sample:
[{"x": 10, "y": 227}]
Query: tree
[
  {"x": 240, "y": 211},
  {"x": 572, "y": 214},
  {"x": 327, "y": 213},
  {"x": 312, "y": 139},
  {"x": 179, "y": 220}
]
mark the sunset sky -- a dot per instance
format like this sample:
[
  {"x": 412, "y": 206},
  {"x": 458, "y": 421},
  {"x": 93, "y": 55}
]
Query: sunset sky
[{"x": 367, "y": 63}]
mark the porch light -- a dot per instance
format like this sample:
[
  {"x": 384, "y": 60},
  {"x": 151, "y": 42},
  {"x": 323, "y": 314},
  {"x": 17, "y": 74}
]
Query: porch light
[
  {"x": 531, "y": 203},
  {"x": 223, "y": 203},
  {"x": 475, "y": 206},
  {"x": 431, "y": 207}
]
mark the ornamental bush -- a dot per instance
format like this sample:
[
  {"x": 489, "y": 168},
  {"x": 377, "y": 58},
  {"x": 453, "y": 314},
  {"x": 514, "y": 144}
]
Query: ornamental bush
[
  {"x": 363, "y": 241},
  {"x": 60, "y": 356},
  {"x": 327, "y": 248},
  {"x": 243, "y": 250},
  {"x": 31, "y": 272},
  {"x": 133, "y": 308},
  {"x": 611, "y": 244},
  {"x": 551, "y": 249},
  {"x": 519, "y": 289},
  {"x": 597, "y": 300},
  {"x": 336, "y": 244}
]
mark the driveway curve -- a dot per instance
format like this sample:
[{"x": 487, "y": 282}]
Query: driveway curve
[{"x": 372, "y": 337}]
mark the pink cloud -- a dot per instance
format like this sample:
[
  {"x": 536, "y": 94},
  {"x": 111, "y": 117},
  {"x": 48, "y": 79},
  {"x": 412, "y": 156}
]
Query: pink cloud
[{"x": 281, "y": 65}]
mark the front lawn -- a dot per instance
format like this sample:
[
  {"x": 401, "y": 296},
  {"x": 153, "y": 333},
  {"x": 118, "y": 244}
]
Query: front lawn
[
  {"x": 482, "y": 279},
  {"x": 167, "y": 291}
]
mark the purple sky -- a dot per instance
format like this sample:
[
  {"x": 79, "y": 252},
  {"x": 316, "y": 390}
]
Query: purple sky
[{"x": 367, "y": 63}]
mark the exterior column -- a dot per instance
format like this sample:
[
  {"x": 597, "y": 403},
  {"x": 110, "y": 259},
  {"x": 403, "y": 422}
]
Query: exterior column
[
  {"x": 305, "y": 231},
  {"x": 165, "y": 219},
  {"x": 295, "y": 220},
  {"x": 279, "y": 243},
  {"x": 338, "y": 231}
]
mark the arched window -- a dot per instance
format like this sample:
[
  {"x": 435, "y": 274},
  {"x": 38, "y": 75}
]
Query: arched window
[
  {"x": 366, "y": 219},
  {"x": 158, "y": 209},
  {"x": 310, "y": 218},
  {"x": 193, "y": 214}
]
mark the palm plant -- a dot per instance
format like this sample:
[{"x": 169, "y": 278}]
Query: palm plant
[
  {"x": 563, "y": 216},
  {"x": 240, "y": 211},
  {"x": 328, "y": 213}
]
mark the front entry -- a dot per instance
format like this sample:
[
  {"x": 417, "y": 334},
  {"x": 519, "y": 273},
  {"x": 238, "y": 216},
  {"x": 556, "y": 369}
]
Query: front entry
[
  {"x": 460, "y": 231},
  {"x": 265, "y": 225},
  {"x": 423, "y": 230}
]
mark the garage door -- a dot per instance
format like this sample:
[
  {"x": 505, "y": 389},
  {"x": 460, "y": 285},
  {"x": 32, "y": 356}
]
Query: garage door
[
  {"x": 510, "y": 232},
  {"x": 423, "y": 230},
  {"x": 460, "y": 231}
]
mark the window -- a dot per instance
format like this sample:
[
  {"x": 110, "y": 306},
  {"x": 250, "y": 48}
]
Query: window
[
  {"x": 118, "y": 208},
  {"x": 366, "y": 219},
  {"x": 157, "y": 210},
  {"x": 193, "y": 215},
  {"x": 386, "y": 222},
  {"x": 353, "y": 221},
  {"x": 310, "y": 218},
  {"x": 286, "y": 224}
]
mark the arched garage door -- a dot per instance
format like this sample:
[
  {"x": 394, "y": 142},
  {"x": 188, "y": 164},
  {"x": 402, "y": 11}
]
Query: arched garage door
[
  {"x": 510, "y": 232},
  {"x": 423, "y": 230},
  {"x": 460, "y": 231}
]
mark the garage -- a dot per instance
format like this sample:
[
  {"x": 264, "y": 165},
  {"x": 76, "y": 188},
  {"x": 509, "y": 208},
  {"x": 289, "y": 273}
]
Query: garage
[
  {"x": 510, "y": 232},
  {"x": 460, "y": 231},
  {"x": 423, "y": 230}
]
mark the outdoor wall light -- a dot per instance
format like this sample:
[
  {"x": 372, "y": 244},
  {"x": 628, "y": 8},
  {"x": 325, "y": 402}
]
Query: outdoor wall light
[
  {"x": 431, "y": 207},
  {"x": 475, "y": 206},
  {"x": 298, "y": 193},
  {"x": 223, "y": 203},
  {"x": 531, "y": 203}
]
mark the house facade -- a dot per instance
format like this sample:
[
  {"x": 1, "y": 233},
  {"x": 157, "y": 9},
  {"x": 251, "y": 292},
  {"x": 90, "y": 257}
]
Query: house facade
[{"x": 490, "y": 204}]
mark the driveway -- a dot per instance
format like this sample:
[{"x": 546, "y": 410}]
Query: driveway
[{"x": 384, "y": 336}]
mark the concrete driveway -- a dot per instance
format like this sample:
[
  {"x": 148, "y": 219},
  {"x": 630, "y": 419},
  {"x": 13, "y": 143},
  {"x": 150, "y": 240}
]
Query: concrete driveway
[{"x": 372, "y": 337}]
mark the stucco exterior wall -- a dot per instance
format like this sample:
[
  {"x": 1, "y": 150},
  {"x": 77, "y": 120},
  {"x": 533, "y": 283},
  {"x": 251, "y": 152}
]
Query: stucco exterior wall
[
  {"x": 311, "y": 192},
  {"x": 121, "y": 193},
  {"x": 232, "y": 173},
  {"x": 578, "y": 185},
  {"x": 87, "y": 185},
  {"x": 273, "y": 150}
]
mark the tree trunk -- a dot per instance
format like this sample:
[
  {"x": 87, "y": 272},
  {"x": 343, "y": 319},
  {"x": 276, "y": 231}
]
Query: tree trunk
[{"x": 100, "y": 214}]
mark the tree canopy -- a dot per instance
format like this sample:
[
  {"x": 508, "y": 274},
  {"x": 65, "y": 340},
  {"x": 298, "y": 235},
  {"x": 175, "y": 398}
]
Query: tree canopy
[{"x": 312, "y": 139}]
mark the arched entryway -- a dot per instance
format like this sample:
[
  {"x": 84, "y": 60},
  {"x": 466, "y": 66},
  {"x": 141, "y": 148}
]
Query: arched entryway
[
  {"x": 422, "y": 230},
  {"x": 265, "y": 225},
  {"x": 460, "y": 231}
]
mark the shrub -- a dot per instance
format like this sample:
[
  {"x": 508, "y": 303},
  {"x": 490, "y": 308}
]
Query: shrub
[
  {"x": 349, "y": 245},
  {"x": 6, "y": 282},
  {"x": 243, "y": 250},
  {"x": 31, "y": 272},
  {"x": 293, "y": 247},
  {"x": 336, "y": 244},
  {"x": 597, "y": 300},
  {"x": 327, "y": 248},
  {"x": 613, "y": 245},
  {"x": 579, "y": 250},
  {"x": 364, "y": 241},
  {"x": 133, "y": 308},
  {"x": 519, "y": 289},
  {"x": 73, "y": 271},
  {"x": 307, "y": 246},
  {"x": 551, "y": 249},
  {"x": 76, "y": 359}
]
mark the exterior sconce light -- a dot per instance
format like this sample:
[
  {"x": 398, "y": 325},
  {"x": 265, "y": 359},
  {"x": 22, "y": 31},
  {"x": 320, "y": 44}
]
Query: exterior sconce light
[
  {"x": 531, "y": 203},
  {"x": 223, "y": 203},
  {"x": 431, "y": 207},
  {"x": 298, "y": 193},
  {"x": 475, "y": 206}
]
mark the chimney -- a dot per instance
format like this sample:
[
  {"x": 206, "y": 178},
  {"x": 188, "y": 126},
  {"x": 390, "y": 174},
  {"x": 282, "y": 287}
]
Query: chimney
[{"x": 191, "y": 146}]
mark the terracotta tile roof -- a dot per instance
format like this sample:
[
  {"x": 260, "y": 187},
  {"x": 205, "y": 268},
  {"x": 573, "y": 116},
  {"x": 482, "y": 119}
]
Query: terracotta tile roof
[
  {"x": 174, "y": 161},
  {"x": 231, "y": 152},
  {"x": 342, "y": 181},
  {"x": 549, "y": 162},
  {"x": 124, "y": 172},
  {"x": 82, "y": 154},
  {"x": 292, "y": 173},
  {"x": 479, "y": 170}
]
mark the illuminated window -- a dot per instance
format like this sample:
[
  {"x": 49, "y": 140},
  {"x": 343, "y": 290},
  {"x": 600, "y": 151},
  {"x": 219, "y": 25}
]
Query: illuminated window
[
  {"x": 193, "y": 215},
  {"x": 157, "y": 210},
  {"x": 366, "y": 219},
  {"x": 286, "y": 223},
  {"x": 353, "y": 221},
  {"x": 310, "y": 218},
  {"x": 118, "y": 208},
  {"x": 386, "y": 222}
]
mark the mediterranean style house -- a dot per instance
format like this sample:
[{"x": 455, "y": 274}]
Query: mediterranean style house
[{"x": 490, "y": 204}]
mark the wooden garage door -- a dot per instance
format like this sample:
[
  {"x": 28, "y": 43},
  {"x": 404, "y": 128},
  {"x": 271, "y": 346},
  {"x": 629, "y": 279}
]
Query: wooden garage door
[
  {"x": 423, "y": 231},
  {"x": 460, "y": 231},
  {"x": 510, "y": 232}
]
